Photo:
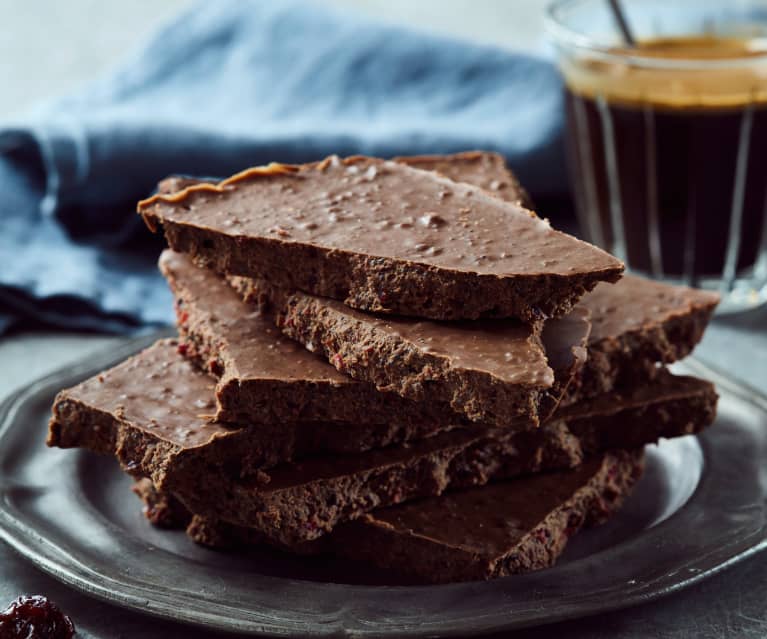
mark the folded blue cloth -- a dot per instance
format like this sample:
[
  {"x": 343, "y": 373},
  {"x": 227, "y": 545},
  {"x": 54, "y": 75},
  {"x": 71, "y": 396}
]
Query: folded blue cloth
[{"x": 231, "y": 84}]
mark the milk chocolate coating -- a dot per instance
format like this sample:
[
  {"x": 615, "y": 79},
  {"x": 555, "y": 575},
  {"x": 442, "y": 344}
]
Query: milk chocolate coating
[
  {"x": 159, "y": 402},
  {"x": 484, "y": 169},
  {"x": 481, "y": 168},
  {"x": 206, "y": 463},
  {"x": 641, "y": 323},
  {"x": 266, "y": 378},
  {"x": 144, "y": 412},
  {"x": 489, "y": 371},
  {"x": 636, "y": 324},
  {"x": 636, "y": 303},
  {"x": 383, "y": 237},
  {"x": 666, "y": 406},
  {"x": 496, "y": 530}
]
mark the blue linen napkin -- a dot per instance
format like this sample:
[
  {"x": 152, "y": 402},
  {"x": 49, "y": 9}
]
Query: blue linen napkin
[{"x": 226, "y": 85}]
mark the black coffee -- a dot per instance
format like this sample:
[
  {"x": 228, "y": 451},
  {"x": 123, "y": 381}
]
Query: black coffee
[{"x": 666, "y": 169}]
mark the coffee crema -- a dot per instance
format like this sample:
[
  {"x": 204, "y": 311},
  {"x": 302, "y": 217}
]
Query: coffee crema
[{"x": 668, "y": 149}]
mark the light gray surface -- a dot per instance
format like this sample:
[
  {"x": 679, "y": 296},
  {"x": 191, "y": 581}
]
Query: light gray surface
[{"x": 49, "y": 47}]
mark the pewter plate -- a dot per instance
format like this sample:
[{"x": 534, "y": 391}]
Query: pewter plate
[{"x": 701, "y": 506}]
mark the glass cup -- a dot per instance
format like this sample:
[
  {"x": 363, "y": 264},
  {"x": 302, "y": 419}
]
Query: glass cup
[{"x": 667, "y": 139}]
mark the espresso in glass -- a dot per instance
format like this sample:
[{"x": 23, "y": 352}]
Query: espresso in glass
[{"x": 667, "y": 146}]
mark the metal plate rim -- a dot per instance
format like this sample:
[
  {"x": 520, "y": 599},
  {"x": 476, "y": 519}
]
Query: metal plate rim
[{"x": 34, "y": 546}]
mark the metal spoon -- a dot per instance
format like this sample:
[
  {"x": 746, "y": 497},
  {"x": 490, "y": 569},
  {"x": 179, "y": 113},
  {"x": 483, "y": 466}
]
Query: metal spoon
[{"x": 620, "y": 20}]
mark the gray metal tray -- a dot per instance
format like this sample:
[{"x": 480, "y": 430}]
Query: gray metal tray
[{"x": 701, "y": 506}]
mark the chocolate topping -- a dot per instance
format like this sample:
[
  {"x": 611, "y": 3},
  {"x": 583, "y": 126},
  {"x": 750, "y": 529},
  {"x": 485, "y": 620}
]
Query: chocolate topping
[
  {"x": 361, "y": 221},
  {"x": 384, "y": 209},
  {"x": 506, "y": 350},
  {"x": 265, "y": 377},
  {"x": 635, "y": 303},
  {"x": 499, "y": 529},
  {"x": 480, "y": 168},
  {"x": 212, "y": 323},
  {"x": 157, "y": 392},
  {"x": 667, "y": 406},
  {"x": 493, "y": 531},
  {"x": 158, "y": 401},
  {"x": 293, "y": 503},
  {"x": 484, "y": 169},
  {"x": 508, "y": 511},
  {"x": 491, "y": 371},
  {"x": 636, "y": 324},
  {"x": 262, "y": 352}
]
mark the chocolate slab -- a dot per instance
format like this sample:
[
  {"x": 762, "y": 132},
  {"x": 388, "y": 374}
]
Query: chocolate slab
[
  {"x": 636, "y": 324},
  {"x": 491, "y": 531},
  {"x": 157, "y": 405},
  {"x": 640, "y": 323},
  {"x": 382, "y": 237},
  {"x": 481, "y": 168},
  {"x": 484, "y": 169},
  {"x": 491, "y": 371},
  {"x": 667, "y": 406},
  {"x": 146, "y": 412},
  {"x": 264, "y": 377}
]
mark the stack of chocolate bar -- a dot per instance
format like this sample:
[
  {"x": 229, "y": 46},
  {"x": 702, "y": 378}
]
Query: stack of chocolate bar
[{"x": 394, "y": 362}]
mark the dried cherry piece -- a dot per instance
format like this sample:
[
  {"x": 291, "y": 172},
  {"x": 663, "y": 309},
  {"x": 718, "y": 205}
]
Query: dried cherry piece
[{"x": 35, "y": 617}]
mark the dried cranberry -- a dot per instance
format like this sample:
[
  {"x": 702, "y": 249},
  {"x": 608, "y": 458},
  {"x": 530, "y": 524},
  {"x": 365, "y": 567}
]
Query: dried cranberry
[
  {"x": 570, "y": 531},
  {"x": 35, "y": 617},
  {"x": 215, "y": 368},
  {"x": 541, "y": 535}
]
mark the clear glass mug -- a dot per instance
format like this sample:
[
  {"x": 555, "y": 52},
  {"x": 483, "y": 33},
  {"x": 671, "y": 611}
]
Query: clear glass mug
[{"x": 667, "y": 142}]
